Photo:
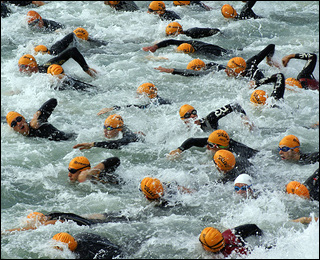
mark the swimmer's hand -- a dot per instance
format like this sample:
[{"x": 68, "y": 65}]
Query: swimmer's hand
[
  {"x": 83, "y": 146},
  {"x": 105, "y": 110},
  {"x": 252, "y": 84},
  {"x": 161, "y": 69},
  {"x": 247, "y": 122},
  {"x": 175, "y": 154},
  {"x": 286, "y": 59},
  {"x": 152, "y": 48},
  {"x": 150, "y": 57},
  {"x": 92, "y": 72}
]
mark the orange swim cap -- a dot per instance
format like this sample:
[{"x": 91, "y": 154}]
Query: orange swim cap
[
  {"x": 295, "y": 187},
  {"x": 113, "y": 2},
  {"x": 259, "y": 97},
  {"x": 28, "y": 60},
  {"x": 237, "y": 64},
  {"x": 293, "y": 83},
  {"x": 66, "y": 238},
  {"x": 196, "y": 64},
  {"x": 81, "y": 33},
  {"x": 228, "y": 11},
  {"x": 80, "y": 162},
  {"x": 148, "y": 89},
  {"x": 157, "y": 6},
  {"x": 173, "y": 28},
  {"x": 11, "y": 116},
  {"x": 151, "y": 187},
  {"x": 55, "y": 69},
  {"x": 42, "y": 49},
  {"x": 211, "y": 239},
  {"x": 181, "y": 3},
  {"x": 184, "y": 109},
  {"x": 186, "y": 48},
  {"x": 225, "y": 160},
  {"x": 32, "y": 16},
  {"x": 37, "y": 216},
  {"x": 115, "y": 121},
  {"x": 291, "y": 141},
  {"x": 219, "y": 137}
]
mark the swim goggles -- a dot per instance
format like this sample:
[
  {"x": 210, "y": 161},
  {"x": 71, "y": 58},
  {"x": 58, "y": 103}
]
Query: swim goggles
[
  {"x": 14, "y": 122},
  {"x": 212, "y": 145},
  {"x": 188, "y": 114},
  {"x": 286, "y": 148},
  {"x": 237, "y": 188},
  {"x": 110, "y": 128},
  {"x": 73, "y": 171}
]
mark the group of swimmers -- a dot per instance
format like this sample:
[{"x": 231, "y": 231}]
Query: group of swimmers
[{"x": 230, "y": 157}]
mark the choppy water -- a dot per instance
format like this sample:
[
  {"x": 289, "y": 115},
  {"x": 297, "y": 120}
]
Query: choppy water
[{"x": 34, "y": 171}]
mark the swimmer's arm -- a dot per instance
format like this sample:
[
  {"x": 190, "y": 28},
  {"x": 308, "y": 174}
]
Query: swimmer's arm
[
  {"x": 304, "y": 220},
  {"x": 84, "y": 146},
  {"x": 49, "y": 222},
  {"x": 88, "y": 174},
  {"x": 287, "y": 58}
]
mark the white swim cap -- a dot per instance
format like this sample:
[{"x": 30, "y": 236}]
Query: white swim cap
[{"x": 243, "y": 178}]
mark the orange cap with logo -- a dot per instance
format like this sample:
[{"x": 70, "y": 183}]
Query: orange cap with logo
[
  {"x": 28, "y": 60},
  {"x": 237, "y": 64},
  {"x": 151, "y": 187},
  {"x": 55, "y": 69},
  {"x": 181, "y": 2},
  {"x": 32, "y": 16},
  {"x": 295, "y": 187},
  {"x": 211, "y": 239},
  {"x": 258, "y": 97},
  {"x": 184, "y": 109},
  {"x": 196, "y": 64},
  {"x": 225, "y": 160},
  {"x": 291, "y": 141},
  {"x": 186, "y": 48},
  {"x": 148, "y": 89},
  {"x": 157, "y": 6},
  {"x": 228, "y": 11},
  {"x": 11, "y": 116},
  {"x": 80, "y": 162},
  {"x": 81, "y": 33},
  {"x": 115, "y": 121},
  {"x": 173, "y": 28},
  {"x": 219, "y": 137},
  {"x": 42, "y": 49},
  {"x": 66, "y": 238}
]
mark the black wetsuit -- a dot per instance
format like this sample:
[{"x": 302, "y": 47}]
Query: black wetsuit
[
  {"x": 312, "y": 183},
  {"x": 309, "y": 158},
  {"x": 242, "y": 165},
  {"x": 63, "y": 57},
  {"x": 306, "y": 75},
  {"x": 234, "y": 146},
  {"x": 129, "y": 6},
  {"x": 199, "y": 47},
  {"x": 92, "y": 246},
  {"x": 246, "y": 11},
  {"x": 278, "y": 87},
  {"x": 197, "y": 33},
  {"x": 210, "y": 122},
  {"x": 107, "y": 175},
  {"x": 169, "y": 15},
  {"x": 69, "y": 82},
  {"x": 155, "y": 101},
  {"x": 65, "y": 42},
  {"x": 46, "y": 130},
  {"x": 128, "y": 137},
  {"x": 6, "y": 11}
]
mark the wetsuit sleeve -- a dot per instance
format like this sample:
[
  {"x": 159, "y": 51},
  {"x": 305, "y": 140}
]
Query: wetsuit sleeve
[
  {"x": 312, "y": 184},
  {"x": 190, "y": 73},
  {"x": 111, "y": 164},
  {"x": 215, "y": 66},
  {"x": 138, "y": 106},
  {"x": 66, "y": 55},
  {"x": 196, "y": 32},
  {"x": 266, "y": 52},
  {"x": 81, "y": 221},
  {"x": 163, "y": 101},
  {"x": 62, "y": 44},
  {"x": 46, "y": 110},
  {"x": 190, "y": 142},
  {"x": 51, "y": 26},
  {"x": 170, "y": 42},
  {"x": 169, "y": 15},
  {"x": 246, "y": 11},
  {"x": 247, "y": 230},
  {"x": 97, "y": 42},
  {"x": 70, "y": 82},
  {"x": 279, "y": 84},
  {"x": 310, "y": 65}
]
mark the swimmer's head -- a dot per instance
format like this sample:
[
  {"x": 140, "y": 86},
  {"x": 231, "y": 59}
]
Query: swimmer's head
[
  {"x": 224, "y": 160},
  {"x": 173, "y": 28},
  {"x": 55, "y": 69},
  {"x": 290, "y": 141},
  {"x": 34, "y": 19},
  {"x": 66, "y": 238},
  {"x": 228, "y": 11},
  {"x": 11, "y": 116},
  {"x": 79, "y": 163},
  {"x": 148, "y": 89},
  {"x": 235, "y": 66},
  {"x": 152, "y": 188},
  {"x": 258, "y": 97},
  {"x": 295, "y": 187},
  {"x": 41, "y": 49},
  {"x": 211, "y": 239},
  {"x": 157, "y": 7},
  {"x": 219, "y": 137},
  {"x": 185, "y": 47},
  {"x": 81, "y": 33},
  {"x": 27, "y": 63},
  {"x": 196, "y": 64}
]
